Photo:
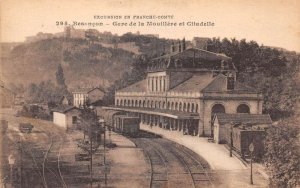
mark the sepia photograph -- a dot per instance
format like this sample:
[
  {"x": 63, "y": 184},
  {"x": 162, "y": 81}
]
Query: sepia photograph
[{"x": 149, "y": 94}]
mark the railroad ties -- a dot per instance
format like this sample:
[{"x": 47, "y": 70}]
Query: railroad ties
[
  {"x": 173, "y": 165},
  {"x": 45, "y": 162},
  {"x": 158, "y": 166}
]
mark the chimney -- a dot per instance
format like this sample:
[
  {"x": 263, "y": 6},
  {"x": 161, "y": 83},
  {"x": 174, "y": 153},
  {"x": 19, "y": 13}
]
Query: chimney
[
  {"x": 172, "y": 47},
  {"x": 230, "y": 81},
  {"x": 183, "y": 44},
  {"x": 179, "y": 46},
  {"x": 222, "y": 65}
]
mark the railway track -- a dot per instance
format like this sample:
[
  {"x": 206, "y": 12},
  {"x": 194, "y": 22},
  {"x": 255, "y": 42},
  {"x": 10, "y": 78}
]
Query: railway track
[
  {"x": 182, "y": 167},
  {"x": 158, "y": 165},
  {"x": 53, "y": 152},
  {"x": 46, "y": 161},
  {"x": 198, "y": 173}
]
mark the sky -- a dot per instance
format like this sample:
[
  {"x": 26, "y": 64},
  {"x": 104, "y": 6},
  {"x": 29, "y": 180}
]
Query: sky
[{"x": 271, "y": 23}]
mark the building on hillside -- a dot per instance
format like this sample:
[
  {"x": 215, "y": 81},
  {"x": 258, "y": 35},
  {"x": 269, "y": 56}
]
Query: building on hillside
[
  {"x": 88, "y": 96},
  {"x": 66, "y": 117},
  {"x": 65, "y": 101},
  {"x": 7, "y": 97},
  {"x": 185, "y": 88},
  {"x": 200, "y": 42},
  {"x": 71, "y": 32},
  {"x": 243, "y": 129},
  {"x": 39, "y": 36}
]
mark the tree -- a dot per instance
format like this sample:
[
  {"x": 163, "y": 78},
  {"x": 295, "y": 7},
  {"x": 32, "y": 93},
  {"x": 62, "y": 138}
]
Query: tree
[
  {"x": 89, "y": 122},
  {"x": 282, "y": 157},
  {"x": 267, "y": 70},
  {"x": 60, "y": 79},
  {"x": 138, "y": 72}
]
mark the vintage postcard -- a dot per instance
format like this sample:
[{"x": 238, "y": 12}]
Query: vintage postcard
[{"x": 149, "y": 93}]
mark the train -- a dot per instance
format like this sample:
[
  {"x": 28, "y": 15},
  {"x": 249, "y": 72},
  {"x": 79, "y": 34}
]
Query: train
[{"x": 126, "y": 125}]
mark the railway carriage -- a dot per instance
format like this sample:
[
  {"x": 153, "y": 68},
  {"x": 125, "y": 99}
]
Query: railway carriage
[{"x": 126, "y": 124}]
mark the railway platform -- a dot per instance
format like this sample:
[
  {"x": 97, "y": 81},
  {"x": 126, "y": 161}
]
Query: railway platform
[
  {"x": 216, "y": 155},
  {"x": 231, "y": 171}
]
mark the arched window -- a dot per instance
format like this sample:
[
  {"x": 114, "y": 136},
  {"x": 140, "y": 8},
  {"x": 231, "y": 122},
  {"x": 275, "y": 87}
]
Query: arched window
[
  {"x": 196, "y": 108},
  {"x": 188, "y": 107},
  {"x": 144, "y": 103},
  {"x": 184, "y": 107},
  {"x": 140, "y": 103},
  {"x": 243, "y": 108},
  {"x": 193, "y": 108},
  {"x": 176, "y": 106},
  {"x": 164, "y": 105},
  {"x": 159, "y": 104},
  {"x": 217, "y": 108},
  {"x": 172, "y": 105},
  {"x": 160, "y": 84},
  {"x": 180, "y": 106},
  {"x": 152, "y": 84},
  {"x": 136, "y": 103}
]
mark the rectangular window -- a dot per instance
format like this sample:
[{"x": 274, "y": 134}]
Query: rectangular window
[
  {"x": 230, "y": 83},
  {"x": 74, "y": 119}
]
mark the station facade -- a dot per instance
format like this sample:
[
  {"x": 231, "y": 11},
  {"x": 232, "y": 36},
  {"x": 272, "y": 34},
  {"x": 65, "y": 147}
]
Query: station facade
[{"x": 184, "y": 89}]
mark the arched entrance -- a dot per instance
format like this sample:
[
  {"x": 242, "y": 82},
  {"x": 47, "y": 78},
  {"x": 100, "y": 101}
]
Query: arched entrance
[{"x": 216, "y": 109}]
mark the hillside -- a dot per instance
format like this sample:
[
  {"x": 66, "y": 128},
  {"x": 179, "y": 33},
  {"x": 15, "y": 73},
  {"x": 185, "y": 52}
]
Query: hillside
[{"x": 83, "y": 63}]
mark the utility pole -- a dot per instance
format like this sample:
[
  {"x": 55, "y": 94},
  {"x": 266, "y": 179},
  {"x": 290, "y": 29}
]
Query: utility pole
[
  {"x": 251, "y": 149},
  {"x": 91, "y": 158},
  {"x": 21, "y": 160},
  {"x": 104, "y": 155},
  {"x": 231, "y": 139}
]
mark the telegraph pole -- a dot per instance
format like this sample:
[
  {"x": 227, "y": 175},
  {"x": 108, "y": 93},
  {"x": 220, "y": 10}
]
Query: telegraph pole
[
  {"x": 231, "y": 139},
  {"x": 91, "y": 159},
  {"x": 21, "y": 161},
  {"x": 251, "y": 149},
  {"x": 104, "y": 155}
]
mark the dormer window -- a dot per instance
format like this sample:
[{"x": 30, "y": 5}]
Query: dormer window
[{"x": 230, "y": 82}]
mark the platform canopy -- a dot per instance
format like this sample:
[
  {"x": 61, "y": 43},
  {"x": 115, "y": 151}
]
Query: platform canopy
[
  {"x": 161, "y": 112},
  {"x": 107, "y": 115}
]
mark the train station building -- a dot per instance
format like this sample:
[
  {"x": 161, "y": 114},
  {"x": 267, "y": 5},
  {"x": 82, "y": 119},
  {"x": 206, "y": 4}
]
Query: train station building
[{"x": 184, "y": 89}]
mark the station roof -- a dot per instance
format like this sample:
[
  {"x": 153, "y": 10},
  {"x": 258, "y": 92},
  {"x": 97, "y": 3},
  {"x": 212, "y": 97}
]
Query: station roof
[
  {"x": 194, "y": 83},
  {"x": 208, "y": 84},
  {"x": 250, "y": 119},
  {"x": 63, "y": 108},
  {"x": 219, "y": 84},
  {"x": 140, "y": 86},
  {"x": 204, "y": 83},
  {"x": 196, "y": 53}
]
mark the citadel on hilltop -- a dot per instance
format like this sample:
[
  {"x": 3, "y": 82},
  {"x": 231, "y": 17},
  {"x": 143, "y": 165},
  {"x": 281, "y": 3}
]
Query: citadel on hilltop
[
  {"x": 72, "y": 33},
  {"x": 69, "y": 32}
]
